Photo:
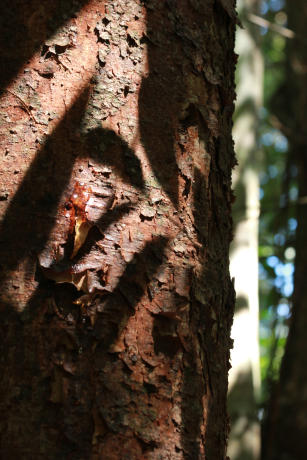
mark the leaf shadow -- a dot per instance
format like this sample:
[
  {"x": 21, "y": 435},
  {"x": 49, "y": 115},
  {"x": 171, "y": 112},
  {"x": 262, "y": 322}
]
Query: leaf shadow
[
  {"x": 31, "y": 214},
  {"x": 159, "y": 104},
  {"x": 25, "y": 27},
  {"x": 87, "y": 347},
  {"x": 109, "y": 149},
  {"x": 129, "y": 291}
]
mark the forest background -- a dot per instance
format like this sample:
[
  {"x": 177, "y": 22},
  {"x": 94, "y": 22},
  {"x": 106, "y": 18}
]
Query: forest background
[
  {"x": 269, "y": 181},
  {"x": 268, "y": 381}
]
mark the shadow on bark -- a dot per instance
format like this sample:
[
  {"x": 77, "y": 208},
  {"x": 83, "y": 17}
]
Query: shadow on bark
[
  {"x": 109, "y": 149},
  {"x": 39, "y": 340},
  {"x": 163, "y": 96},
  {"x": 192, "y": 408},
  {"x": 129, "y": 291},
  {"x": 77, "y": 371},
  {"x": 25, "y": 26},
  {"x": 31, "y": 215},
  {"x": 160, "y": 101},
  {"x": 70, "y": 341}
]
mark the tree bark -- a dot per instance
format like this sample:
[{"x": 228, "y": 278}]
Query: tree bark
[
  {"x": 116, "y": 300},
  {"x": 287, "y": 424}
]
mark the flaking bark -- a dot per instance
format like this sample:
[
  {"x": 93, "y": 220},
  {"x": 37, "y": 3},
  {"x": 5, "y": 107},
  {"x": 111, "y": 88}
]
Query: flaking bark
[{"x": 116, "y": 299}]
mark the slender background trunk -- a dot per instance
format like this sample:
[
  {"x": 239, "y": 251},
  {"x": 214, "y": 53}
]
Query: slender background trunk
[
  {"x": 116, "y": 297},
  {"x": 244, "y": 377}
]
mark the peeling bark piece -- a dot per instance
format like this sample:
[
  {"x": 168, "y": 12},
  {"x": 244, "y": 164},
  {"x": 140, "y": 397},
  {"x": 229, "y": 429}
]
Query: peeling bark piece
[
  {"x": 182, "y": 280},
  {"x": 99, "y": 202},
  {"x": 64, "y": 276},
  {"x": 156, "y": 196},
  {"x": 148, "y": 212},
  {"x": 59, "y": 41},
  {"x": 79, "y": 222},
  {"x": 82, "y": 228}
]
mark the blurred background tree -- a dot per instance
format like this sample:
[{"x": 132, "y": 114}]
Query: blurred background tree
[
  {"x": 278, "y": 156},
  {"x": 244, "y": 377},
  {"x": 285, "y": 427}
]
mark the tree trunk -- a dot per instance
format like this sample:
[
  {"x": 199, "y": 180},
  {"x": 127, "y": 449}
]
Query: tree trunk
[
  {"x": 244, "y": 377},
  {"x": 116, "y": 301},
  {"x": 286, "y": 435}
]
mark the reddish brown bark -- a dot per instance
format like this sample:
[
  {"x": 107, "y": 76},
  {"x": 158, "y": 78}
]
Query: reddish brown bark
[{"x": 116, "y": 298}]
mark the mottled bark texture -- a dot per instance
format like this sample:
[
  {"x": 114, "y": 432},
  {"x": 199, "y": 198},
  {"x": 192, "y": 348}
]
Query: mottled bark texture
[
  {"x": 115, "y": 195},
  {"x": 286, "y": 433}
]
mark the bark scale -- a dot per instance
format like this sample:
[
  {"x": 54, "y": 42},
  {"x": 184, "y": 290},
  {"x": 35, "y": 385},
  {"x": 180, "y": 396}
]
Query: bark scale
[{"x": 116, "y": 301}]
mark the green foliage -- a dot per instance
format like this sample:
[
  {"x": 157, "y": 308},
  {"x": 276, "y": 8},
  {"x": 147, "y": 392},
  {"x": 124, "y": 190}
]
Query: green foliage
[{"x": 278, "y": 195}]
